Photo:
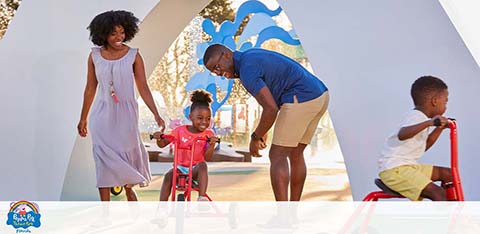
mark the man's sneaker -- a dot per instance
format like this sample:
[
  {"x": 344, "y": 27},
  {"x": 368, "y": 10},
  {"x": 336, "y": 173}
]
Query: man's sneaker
[{"x": 277, "y": 223}]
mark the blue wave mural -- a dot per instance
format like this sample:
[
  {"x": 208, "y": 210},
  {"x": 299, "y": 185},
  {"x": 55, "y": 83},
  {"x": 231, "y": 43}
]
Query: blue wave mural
[{"x": 260, "y": 25}]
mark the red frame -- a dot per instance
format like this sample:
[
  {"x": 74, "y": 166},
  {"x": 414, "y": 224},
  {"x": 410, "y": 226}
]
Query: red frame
[
  {"x": 185, "y": 187},
  {"x": 457, "y": 194}
]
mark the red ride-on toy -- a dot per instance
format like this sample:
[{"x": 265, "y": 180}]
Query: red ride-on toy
[
  {"x": 454, "y": 190},
  {"x": 180, "y": 181},
  {"x": 185, "y": 183}
]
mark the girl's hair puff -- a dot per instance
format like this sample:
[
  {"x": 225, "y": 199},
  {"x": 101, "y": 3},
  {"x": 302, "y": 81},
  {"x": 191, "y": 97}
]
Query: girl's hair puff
[{"x": 200, "y": 98}]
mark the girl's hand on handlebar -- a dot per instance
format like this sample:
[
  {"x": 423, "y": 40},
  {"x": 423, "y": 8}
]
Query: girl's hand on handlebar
[
  {"x": 213, "y": 140},
  {"x": 157, "y": 135}
]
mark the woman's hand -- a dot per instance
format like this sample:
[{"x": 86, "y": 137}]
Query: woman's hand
[
  {"x": 82, "y": 128},
  {"x": 160, "y": 123}
]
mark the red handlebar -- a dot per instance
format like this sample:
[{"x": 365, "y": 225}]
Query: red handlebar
[
  {"x": 172, "y": 138},
  {"x": 452, "y": 124}
]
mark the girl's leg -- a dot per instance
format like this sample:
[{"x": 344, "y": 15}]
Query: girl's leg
[
  {"x": 166, "y": 186},
  {"x": 104, "y": 194},
  {"x": 200, "y": 174},
  {"x": 131, "y": 195}
]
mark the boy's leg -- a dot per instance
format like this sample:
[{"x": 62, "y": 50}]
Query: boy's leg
[
  {"x": 131, "y": 195},
  {"x": 434, "y": 192},
  {"x": 200, "y": 174},
  {"x": 104, "y": 194},
  {"x": 166, "y": 186},
  {"x": 443, "y": 174},
  {"x": 298, "y": 171}
]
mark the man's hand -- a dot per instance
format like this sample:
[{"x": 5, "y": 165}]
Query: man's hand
[{"x": 255, "y": 146}]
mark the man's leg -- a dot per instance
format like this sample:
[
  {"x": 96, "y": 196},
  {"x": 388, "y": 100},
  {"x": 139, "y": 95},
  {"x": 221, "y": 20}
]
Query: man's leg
[
  {"x": 298, "y": 172},
  {"x": 279, "y": 171}
]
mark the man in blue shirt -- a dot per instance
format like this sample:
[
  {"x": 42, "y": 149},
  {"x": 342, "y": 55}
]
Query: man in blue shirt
[{"x": 289, "y": 94}]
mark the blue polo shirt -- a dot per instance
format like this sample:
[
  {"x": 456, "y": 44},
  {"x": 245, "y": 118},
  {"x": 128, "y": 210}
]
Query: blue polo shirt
[{"x": 283, "y": 76}]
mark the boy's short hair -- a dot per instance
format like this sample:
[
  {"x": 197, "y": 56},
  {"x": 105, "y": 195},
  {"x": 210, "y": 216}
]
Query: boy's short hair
[
  {"x": 103, "y": 24},
  {"x": 425, "y": 87}
]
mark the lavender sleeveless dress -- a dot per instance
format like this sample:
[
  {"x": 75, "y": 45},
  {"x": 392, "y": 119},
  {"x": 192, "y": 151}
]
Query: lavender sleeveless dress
[{"x": 120, "y": 156}]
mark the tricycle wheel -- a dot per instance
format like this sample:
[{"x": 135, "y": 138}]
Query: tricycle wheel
[
  {"x": 181, "y": 197},
  {"x": 116, "y": 190}
]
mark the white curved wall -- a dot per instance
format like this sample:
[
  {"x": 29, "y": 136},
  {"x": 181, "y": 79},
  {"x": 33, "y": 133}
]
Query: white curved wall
[
  {"x": 42, "y": 70},
  {"x": 367, "y": 52}
]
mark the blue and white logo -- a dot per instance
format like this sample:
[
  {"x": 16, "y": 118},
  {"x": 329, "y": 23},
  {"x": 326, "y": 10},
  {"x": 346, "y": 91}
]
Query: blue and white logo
[{"x": 23, "y": 215}]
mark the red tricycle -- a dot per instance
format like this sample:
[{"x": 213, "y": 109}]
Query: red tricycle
[
  {"x": 454, "y": 190},
  {"x": 182, "y": 181}
]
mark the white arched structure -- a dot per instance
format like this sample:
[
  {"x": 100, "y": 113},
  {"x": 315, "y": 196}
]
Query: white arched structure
[
  {"x": 367, "y": 53},
  {"x": 43, "y": 70}
]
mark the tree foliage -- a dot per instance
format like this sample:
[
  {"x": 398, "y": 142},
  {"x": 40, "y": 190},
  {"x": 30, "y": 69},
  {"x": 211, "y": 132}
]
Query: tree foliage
[
  {"x": 7, "y": 11},
  {"x": 171, "y": 75},
  {"x": 218, "y": 11}
]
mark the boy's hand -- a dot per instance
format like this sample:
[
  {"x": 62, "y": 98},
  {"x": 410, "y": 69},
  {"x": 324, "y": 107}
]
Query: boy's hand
[{"x": 439, "y": 121}]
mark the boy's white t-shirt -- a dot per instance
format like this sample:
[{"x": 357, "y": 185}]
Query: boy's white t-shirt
[{"x": 396, "y": 153}]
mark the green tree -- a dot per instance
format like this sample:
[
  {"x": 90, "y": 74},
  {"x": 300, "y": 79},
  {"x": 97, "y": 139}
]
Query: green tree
[
  {"x": 171, "y": 75},
  {"x": 218, "y": 11},
  {"x": 7, "y": 11}
]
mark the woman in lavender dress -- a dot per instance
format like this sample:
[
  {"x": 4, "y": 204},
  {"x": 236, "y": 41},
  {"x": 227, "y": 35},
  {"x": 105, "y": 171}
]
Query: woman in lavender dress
[{"x": 120, "y": 156}]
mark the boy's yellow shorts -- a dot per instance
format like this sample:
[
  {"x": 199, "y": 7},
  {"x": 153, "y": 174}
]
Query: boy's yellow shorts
[{"x": 408, "y": 180}]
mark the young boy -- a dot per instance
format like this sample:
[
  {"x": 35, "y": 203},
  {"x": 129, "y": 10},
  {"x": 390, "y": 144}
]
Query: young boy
[{"x": 399, "y": 169}]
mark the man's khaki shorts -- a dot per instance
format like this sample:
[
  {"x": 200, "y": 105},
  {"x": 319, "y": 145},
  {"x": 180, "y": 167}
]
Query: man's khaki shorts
[
  {"x": 408, "y": 180},
  {"x": 296, "y": 122}
]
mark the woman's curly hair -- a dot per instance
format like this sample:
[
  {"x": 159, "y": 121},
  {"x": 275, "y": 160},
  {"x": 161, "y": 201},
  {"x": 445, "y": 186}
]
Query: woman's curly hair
[
  {"x": 103, "y": 24},
  {"x": 200, "y": 98}
]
